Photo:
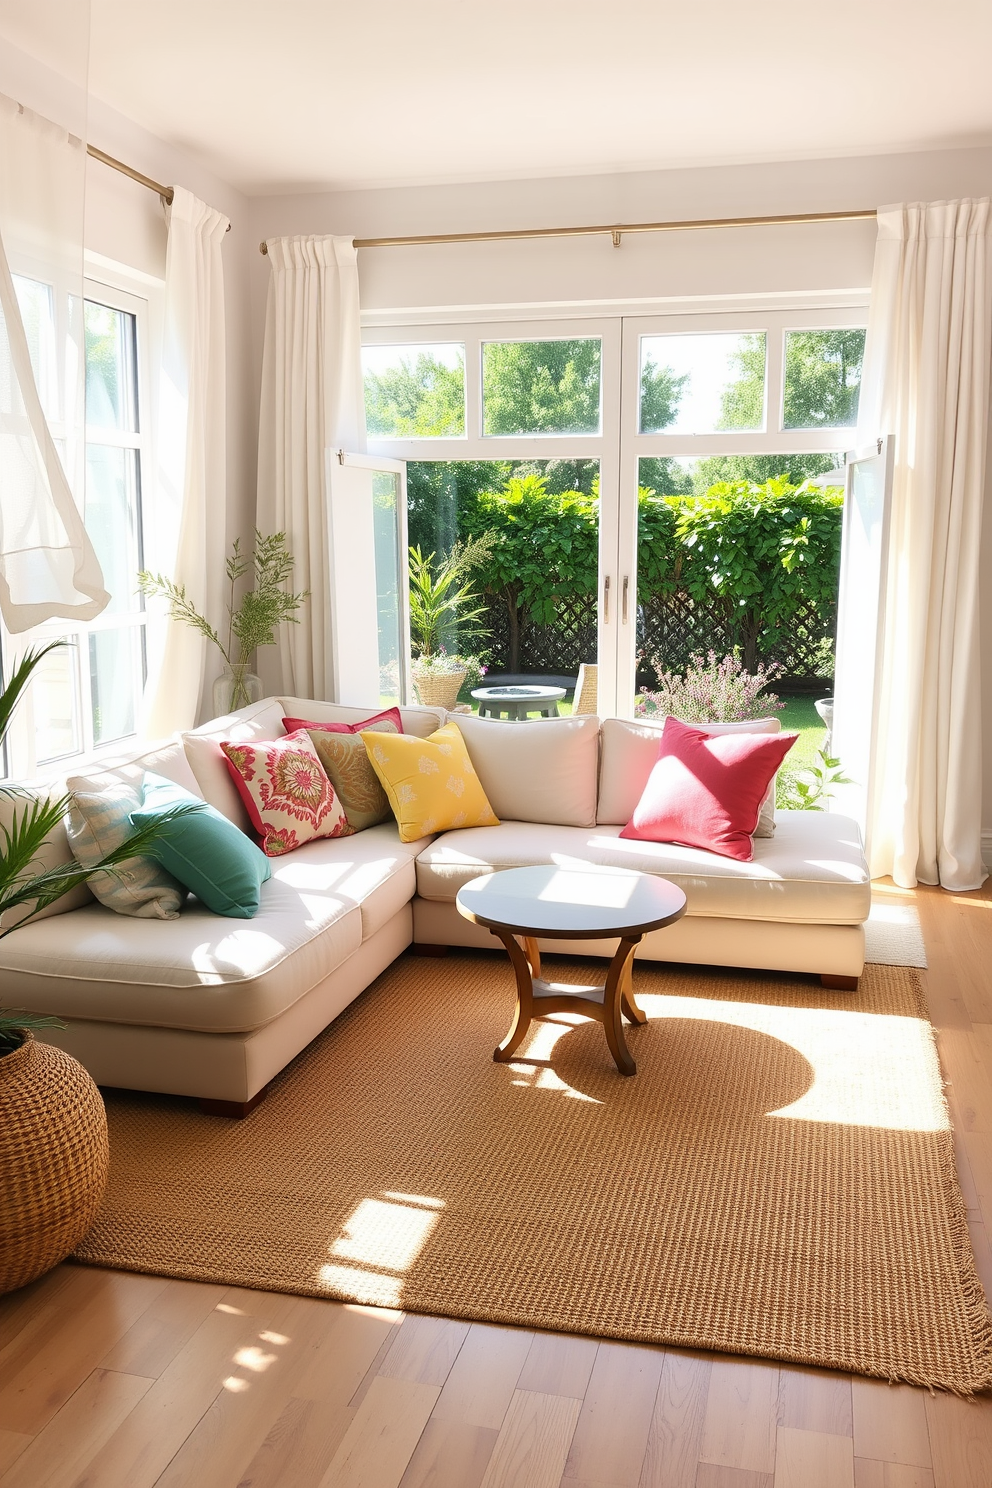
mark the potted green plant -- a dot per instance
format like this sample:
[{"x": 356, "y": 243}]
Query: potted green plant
[
  {"x": 252, "y": 623},
  {"x": 53, "y": 1127},
  {"x": 445, "y": 608}
]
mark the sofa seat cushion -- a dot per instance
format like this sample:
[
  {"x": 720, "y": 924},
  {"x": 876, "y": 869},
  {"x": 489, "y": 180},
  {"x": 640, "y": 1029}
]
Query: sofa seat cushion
[
  {"x": 812, "y": 871},
  {"x": 372, "y": 870}
]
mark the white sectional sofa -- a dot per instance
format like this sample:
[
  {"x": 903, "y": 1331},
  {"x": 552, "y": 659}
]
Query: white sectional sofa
[{"x": 213, "y": 1008}]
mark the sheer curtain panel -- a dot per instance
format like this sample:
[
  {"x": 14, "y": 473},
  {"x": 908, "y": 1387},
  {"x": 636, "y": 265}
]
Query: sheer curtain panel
[
  {"x": 190, "y": 485},
  {"x": 312, "y": 405},
  {"x": 48, "y": 568},
  {"x": 926, "y": 381}
]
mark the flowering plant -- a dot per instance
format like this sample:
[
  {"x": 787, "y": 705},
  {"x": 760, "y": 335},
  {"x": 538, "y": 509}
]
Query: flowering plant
[
  {"x": 711, "y": 691},
  {"x": 440, "y": 664}
]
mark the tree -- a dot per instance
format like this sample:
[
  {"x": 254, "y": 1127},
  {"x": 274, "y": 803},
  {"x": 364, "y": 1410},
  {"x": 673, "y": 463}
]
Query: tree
[
  {"x": 422, "y": 397},
  {"x": 661, "y": 394},
  {"x": 541, "y": 387},
  {"x": 758, "y": 469},
  {"x": 823, "y": 378},
  {"x": 743, "y": 401}
]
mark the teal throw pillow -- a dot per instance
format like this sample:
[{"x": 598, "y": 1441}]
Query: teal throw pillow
[{"x": 203, "y": 850}]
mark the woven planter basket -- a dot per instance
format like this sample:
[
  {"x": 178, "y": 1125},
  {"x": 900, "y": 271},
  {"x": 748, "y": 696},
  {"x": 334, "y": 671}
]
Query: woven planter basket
[
  {"x": 54, "y": 1159},
  {"x": 438, "y": 689}
]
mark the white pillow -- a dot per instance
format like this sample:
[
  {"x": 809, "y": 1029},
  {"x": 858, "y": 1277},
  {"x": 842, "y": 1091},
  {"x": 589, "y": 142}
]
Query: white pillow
[
  {"x": 419, "y": 721},
  {"x": 206, "y": 758},
  {"x": 628, "y": 756},
  {"x": 99, "y": 821},
  {"x": 538, "y": 769}
]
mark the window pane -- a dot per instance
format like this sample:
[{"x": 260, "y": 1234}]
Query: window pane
[
  {"x": 666, "y": 476},
  {"x": 822, "y": 378},
  {"x": 110, "y": 400},
  {"x": 541, "y": 387},
  {"x": 537, "y": 620},
  {"x": 114, "y": 674},
  {"x": 701, "y": 384},
  {"x": 111, "y": 520},
  {"x": 385, "y": 520},
  {"x": 415, "y": 392},
  {"x": 55, "y": 701}
]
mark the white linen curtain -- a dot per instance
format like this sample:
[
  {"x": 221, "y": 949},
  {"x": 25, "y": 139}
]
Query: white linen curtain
[
  {"x": 312, "y": 404},
  {"x": 926, "y": 381},
  {"x": 190, "y": 484},
  {"x": 48, "y": 567}
]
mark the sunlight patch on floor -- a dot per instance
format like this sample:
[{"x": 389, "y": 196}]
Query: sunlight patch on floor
[
  {"x": 379, "y": 1241},
  {"x": 869, "y": 1069}
]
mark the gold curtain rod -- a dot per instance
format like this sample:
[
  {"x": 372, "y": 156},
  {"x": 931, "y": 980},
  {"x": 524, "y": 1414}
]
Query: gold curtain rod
[
  {"x": 165, "y": 192},
  {"x": 615, "y": 231}
]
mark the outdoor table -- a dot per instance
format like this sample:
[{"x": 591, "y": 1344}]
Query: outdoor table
[{"x": 517, "y": 702}]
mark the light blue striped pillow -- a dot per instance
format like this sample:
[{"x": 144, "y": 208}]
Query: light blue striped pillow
[{"x": 99, "y": 821}]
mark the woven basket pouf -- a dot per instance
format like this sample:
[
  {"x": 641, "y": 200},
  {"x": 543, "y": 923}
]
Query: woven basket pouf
[{"x": 54, "y": 1159}]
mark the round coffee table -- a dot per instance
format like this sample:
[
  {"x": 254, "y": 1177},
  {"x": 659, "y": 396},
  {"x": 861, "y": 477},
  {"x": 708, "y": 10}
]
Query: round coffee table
[
  {"x": 517, "y": 702},
  {"x": 571, "y": 904}
]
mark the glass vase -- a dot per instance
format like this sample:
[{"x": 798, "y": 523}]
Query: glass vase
[{"x": 235, "y": 688}]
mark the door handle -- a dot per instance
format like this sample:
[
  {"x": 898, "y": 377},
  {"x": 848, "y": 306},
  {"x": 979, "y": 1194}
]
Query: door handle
[
  {"x": 606, "y": 600},
  {"x": 626, "y": 585}
]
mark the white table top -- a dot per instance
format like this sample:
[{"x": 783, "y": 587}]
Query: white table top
[
  {"x": 571, "y": 903},
  {"x": 519, "y": 694}
]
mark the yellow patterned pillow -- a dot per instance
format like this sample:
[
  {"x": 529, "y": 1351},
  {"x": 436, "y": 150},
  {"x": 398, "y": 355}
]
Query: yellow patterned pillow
[{"x": 431, "y": 783}]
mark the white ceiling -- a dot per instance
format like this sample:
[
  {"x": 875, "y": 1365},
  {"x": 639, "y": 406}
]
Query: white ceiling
[{"x": 291, "y": 95}]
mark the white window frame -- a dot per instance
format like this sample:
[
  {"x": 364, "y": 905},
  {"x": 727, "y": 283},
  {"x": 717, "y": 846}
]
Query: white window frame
[
  {"x": 142, "y": 296},
  {"x": 619, "y": 446}
]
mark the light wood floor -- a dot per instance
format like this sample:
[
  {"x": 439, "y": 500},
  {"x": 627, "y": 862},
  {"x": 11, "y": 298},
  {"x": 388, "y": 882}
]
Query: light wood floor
[{"x": 110, "y": 1380}]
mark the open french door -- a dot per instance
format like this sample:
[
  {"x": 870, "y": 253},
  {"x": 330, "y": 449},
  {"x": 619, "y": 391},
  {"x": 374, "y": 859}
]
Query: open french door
[
  {"x": 860, "y": 625},
  {"x": 370, "y": 618}
]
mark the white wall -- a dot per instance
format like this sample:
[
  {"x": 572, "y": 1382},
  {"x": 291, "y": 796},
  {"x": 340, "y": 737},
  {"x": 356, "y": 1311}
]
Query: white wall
[{"x": 694, "y": 265}]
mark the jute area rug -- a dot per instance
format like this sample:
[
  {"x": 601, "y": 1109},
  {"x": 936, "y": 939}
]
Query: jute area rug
[{"x": 776, "y": 1180}]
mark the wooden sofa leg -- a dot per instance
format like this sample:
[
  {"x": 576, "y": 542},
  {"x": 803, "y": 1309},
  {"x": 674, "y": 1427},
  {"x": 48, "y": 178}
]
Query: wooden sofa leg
[
  {"x": 236, "y": 1110},
  {"x": 837, "y": 982},
  {"x": 427, "y": 948}
]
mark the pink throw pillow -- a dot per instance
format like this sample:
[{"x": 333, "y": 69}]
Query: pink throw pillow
[
  {"x": 286, "y": 792},
  {"x": 705, "y": 790},
  {"x": 391, "y": 715}
]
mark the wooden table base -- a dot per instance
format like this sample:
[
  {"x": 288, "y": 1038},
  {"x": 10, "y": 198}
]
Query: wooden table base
[{"x": 608, "y": 1004}]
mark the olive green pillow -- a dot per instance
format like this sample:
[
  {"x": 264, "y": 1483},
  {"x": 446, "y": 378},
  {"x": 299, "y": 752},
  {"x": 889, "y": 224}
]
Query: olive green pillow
[{"x": 346, "y": 764}]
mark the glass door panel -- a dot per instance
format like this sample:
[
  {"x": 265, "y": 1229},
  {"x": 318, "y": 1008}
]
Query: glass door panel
[{"x": 390, "y": 583}]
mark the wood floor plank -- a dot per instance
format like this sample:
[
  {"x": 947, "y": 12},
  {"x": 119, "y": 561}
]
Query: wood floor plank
[
  {"x": 890, "y": 1423},
  {"x": 424, "y": 1349},
  {"x": 960, "y": 1440},
  {"x": 44, "y": 1369},
  {"x": 63, "y": 1449},
  {"x": 154, "y": 1339},
  {"x": 558, "y": 1364},
  {"x": 868, "y": 1474},
  {"x": 710, "y": 1475},
  {"x": 378, "y": 1445},
  {"x": 450, "y": 1454},
  {"x": 375, "y": 1364},
  {"x": 815, "y": 1400},
  {"x": 533, "y": 1442},
  {"x": 970, "y": 1082},
  {"x": 349, "y": 1341},
  {"x": 482, "y": 1380},
  {"x": 741, "y": 1416},
  {"x": 12, "y": 1444},
  {"x": 813, "y": 1459},
  {"x": 611, "y": 1434},
  {"x": 299, "y": 1446},
  {"x": 983, "y": 1254},
  {"x": 144, "y": 1444},
  {"x": 675, "y": 1437}
]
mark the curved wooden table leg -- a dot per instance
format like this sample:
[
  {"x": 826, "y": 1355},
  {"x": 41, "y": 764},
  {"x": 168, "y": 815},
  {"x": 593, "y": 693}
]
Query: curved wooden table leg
[
  {"x": 525, "y": 995},
  {"x": 628, "y": 1006},
  {"x": 533, "y": 956},
  {"x": 613, "y": 997}
]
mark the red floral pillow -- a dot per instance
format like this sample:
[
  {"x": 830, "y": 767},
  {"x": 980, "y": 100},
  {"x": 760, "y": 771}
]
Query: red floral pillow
[{"x": 286, "y": 792}]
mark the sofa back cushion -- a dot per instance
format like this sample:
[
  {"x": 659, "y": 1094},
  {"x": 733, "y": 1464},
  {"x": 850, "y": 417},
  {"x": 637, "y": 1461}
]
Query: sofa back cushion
[
  {"x": 629, "y": 753},
  {"x": 539, "y": 770},
  {"x": 419, "y": 721},
  {"x": 260, "y": 721}
]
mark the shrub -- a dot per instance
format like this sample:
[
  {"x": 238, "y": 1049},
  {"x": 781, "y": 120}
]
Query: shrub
[{"x": 711, "y": 691}]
